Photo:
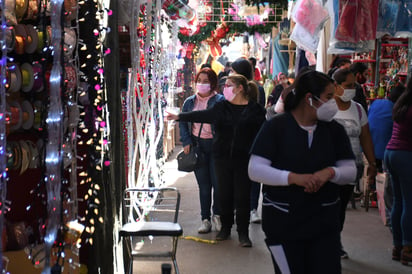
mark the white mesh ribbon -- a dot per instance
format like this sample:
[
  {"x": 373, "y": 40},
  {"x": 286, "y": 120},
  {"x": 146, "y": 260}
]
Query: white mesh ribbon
[
  {"x": 55, "y": 134},
  {"x": 144, "y": 116}
]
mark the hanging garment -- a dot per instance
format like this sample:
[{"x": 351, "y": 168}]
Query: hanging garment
[
  {"x": 404, "y": 20},
  {"x": 387, "y": 17},
  {"x": 280, "y": 59}
]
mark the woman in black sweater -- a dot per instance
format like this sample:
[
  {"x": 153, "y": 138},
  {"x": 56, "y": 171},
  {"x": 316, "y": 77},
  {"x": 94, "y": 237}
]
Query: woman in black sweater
[{"x": 236, "y": 121}]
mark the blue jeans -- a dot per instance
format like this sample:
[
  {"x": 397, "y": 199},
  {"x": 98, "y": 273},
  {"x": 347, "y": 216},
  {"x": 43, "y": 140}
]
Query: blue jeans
[
  {"x": 399, "y": 165},
  {"x": 206, "y": 179}
]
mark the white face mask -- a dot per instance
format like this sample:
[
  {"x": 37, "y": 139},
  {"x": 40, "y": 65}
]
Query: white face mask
[
  {"x": 284, "y": 81},
  {"x": 326, "y": 111},
  {"x": 348, "y": 94}
]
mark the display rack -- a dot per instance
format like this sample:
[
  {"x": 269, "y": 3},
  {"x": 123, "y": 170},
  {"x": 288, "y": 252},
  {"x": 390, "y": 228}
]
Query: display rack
[{"x": 391, "y": 64}]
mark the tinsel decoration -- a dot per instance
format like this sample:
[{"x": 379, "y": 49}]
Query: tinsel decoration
[
  {"x": 283, "y": 3},
  {"x": 145, "y": 118},
  {"x": 3, "y": 174},
  {"x": 54, "y": 123}
]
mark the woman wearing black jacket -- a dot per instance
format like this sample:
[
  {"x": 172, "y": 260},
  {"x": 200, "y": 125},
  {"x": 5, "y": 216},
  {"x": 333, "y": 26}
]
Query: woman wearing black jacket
[{"x": 236, "y": 121}]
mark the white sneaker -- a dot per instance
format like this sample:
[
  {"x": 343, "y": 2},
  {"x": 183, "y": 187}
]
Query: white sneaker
[
  {"x": 205, "y": 227},
  {"x": 254, "y": 217},
  {"x": 216, "y": 221}
]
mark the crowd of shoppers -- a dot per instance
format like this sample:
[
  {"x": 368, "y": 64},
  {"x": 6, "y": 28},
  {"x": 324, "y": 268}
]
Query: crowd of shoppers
[
  {"x": 236, "y": 122},
  {"x": 309, "y": 153}
]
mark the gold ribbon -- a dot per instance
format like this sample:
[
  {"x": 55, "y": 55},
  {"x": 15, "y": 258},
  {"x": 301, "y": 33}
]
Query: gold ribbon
[
  {"x": 21, "y": 8},
  {"x": 19, "y": 46},
  {"x": 200, "y": 240}
]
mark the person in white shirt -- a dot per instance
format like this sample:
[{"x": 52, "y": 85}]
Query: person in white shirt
[{"x": 354, "y": 119}]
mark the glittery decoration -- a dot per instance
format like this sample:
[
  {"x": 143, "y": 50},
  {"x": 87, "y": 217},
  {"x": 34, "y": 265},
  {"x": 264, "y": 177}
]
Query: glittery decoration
[
  {"x": 3, "y": 160},
  {"x": 145, "y": 115},
  {"x": 54, "y": 123}
]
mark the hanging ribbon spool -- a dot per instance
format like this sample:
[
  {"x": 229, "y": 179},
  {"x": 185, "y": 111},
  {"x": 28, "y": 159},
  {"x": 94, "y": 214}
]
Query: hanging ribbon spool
[
  {"x": 10, "y": 12},
  {"x": 10, "y": 38},
  {"x": 37, "y": 110},
  {"x": 70, "y": 8},
  {"x": 27, "y": 115},
  {"x": 69, "y": 42},
  {"x": 25, "y": 156},
  {"x": 43, "y": 38},
  {"x": 11, "y": 157},
  {"x": 21, "y": 37},
  {"x": 70, "y": 79},
  {"x": 34, "y": 153},
  {"x": 14, "y": 117},
  {"x": 40, "y": 44},
  {"x": 15, "y": 80},
  {"x": 27, "y": 77},
  {"x": 14, "y": 156},
  {"x": 21, "y": 8},
  {"x": 32, "y": 10},
  {"x": 30, "y": 38},
  {"x": 38, "y": 84},
  {"x": 30, "y": 45}
]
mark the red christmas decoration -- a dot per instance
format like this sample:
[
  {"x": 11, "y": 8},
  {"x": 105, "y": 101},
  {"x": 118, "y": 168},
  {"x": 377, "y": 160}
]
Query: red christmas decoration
[{"x": 213, "y": 41}]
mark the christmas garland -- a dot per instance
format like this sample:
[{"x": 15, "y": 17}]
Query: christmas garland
[{"x": 234, "y": 28}]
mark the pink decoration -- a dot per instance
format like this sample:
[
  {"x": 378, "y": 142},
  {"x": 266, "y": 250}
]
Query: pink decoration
[
  {"x": 108, "y": 51},
  {"x": 97, "y": 87},
  {"x": 100, "y": 71},
  {"x": 102, "y": 124},
  {"x": 107, "y": 163},
  {"x": 109, "y": 12}
]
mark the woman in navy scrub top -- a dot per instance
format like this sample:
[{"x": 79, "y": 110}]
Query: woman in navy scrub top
[{"x": 301, "y": 156}]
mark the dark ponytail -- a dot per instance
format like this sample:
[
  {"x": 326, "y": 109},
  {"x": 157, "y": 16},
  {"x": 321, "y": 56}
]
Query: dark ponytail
[
  {"x": 250, "y": 88},
  {"x": 310, "y": 81},
  {"x": 252, "y": 91}
]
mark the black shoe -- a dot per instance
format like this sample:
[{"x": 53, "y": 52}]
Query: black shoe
[
  {"x": 244, "y": 240},
  {"x": 223, "y": 234}
]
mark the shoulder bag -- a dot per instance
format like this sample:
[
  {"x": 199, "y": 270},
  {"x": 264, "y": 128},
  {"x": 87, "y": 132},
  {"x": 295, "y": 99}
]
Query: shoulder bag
[{"x": 188, "y": 162}]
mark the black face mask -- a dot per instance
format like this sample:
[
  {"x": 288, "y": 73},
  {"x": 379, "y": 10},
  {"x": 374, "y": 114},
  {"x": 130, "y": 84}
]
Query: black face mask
[{"x": 361, "y": 79}]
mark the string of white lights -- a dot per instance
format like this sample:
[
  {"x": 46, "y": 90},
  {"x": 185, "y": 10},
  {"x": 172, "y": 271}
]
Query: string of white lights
[{"x": 55, "y": 135}]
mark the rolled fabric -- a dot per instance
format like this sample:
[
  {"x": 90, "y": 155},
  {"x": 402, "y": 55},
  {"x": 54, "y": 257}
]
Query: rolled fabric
[
  {"x": 15, "y": 78},
  {"x": 21, "y": 8},
  {"x": 27, "y": 77}
]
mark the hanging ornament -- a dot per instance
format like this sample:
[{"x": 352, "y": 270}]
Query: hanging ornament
[
  {"x": 213, "y": 41},
  {"x": 178, "y": 9}
]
